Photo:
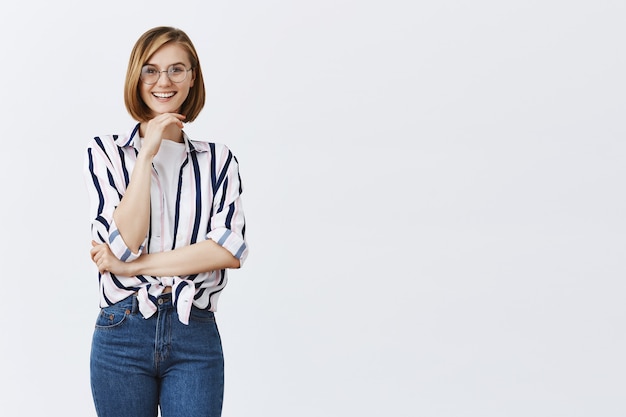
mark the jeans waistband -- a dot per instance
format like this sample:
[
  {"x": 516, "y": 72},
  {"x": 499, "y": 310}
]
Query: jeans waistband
[
  {"x": 164, "y": 298},
  {"x": 132, "y": 303}
]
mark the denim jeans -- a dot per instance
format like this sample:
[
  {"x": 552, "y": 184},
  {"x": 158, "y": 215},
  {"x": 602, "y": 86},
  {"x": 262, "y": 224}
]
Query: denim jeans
[{"x": 140, "y": 364}]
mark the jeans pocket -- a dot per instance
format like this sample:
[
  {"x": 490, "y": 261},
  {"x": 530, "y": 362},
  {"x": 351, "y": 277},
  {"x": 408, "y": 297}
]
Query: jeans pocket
[
  {"x": 111, "y": 317},
  {"x": 202, "y": 316}
]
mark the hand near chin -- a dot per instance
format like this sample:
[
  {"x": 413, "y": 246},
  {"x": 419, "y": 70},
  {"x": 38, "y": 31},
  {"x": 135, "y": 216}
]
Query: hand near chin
[
  {"x": 104, "y": 259},
  {"x": 157, "y": 127}
]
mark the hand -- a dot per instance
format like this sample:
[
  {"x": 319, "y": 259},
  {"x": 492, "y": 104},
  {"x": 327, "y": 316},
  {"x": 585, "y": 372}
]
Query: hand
[
  {"x": 104, "y": 259},
  {"x": 155, "y": 129}
]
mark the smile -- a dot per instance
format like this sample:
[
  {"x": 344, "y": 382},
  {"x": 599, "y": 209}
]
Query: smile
[{"x": 163, "y": 95}]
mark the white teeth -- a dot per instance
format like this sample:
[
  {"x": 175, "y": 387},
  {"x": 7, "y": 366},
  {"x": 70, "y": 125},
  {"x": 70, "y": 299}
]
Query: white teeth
[{"x": 163, "y": 95}]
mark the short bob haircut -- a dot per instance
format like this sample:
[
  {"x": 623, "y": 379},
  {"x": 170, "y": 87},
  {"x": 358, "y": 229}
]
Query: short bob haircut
[{"x": 145, "y": 47}]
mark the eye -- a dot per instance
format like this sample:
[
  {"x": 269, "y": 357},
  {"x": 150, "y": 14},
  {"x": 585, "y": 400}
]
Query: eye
[
  {"x": 176, "y": 69},
  {"x": 149, "y": 70}
]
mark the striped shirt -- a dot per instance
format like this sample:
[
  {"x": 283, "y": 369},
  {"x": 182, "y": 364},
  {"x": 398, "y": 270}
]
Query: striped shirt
[{"x": 207, "y": 206}]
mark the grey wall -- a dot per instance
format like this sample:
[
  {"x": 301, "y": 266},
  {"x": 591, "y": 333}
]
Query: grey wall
[{"x": 434, "y": 196}]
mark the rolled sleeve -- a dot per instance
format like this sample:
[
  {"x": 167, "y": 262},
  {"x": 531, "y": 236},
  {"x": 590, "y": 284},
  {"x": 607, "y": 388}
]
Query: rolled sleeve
[
  {"x": 231, "y": 241},
  {"x": 119, "y": 247},
  {"x": 227, "y": 226}
]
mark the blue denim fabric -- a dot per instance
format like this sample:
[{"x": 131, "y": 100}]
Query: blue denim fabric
[{"x": 140, "y": 364}]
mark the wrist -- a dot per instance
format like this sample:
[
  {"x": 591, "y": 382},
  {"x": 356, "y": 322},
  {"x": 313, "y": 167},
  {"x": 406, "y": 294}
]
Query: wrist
[
  {"x": 144, "y": 158},
  {"x": 135, "y": 267}
]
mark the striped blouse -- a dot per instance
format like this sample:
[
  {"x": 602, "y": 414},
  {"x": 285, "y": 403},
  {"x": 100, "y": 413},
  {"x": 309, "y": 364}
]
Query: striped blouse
[{"x": 208, "y": 206}]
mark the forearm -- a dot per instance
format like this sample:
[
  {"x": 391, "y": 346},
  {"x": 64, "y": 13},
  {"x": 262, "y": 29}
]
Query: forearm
[
  {"x": 200, "y": 257},
  {"x": 132, "y": 215}
]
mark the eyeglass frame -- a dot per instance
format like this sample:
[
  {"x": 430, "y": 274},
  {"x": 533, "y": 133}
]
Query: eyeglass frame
[{"x": 167, "y": 71}]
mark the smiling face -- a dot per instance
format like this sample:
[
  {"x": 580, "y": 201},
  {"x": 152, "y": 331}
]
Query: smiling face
[
  {"x": 166, "y": 96},
  {"x": 161, "y": 47}
]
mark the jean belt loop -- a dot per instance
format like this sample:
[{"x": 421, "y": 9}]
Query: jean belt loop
[{"x": 135, "y": 307}]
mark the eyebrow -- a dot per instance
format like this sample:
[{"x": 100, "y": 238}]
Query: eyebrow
[{"x": 175, "y": 63}]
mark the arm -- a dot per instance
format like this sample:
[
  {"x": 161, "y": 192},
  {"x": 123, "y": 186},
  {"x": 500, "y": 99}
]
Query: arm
[
  {"x": 116, "y": 198},
  {"x": 225, "y": 246},
  {"x": 193, "y": 259},
  {"x": 132, "y": 215}
]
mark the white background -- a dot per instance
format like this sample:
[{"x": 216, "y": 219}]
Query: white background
[{"x": 434, "y": 194}]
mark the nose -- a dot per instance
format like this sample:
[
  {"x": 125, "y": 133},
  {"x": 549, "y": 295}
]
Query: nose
[{"x": 164, "y": 79}]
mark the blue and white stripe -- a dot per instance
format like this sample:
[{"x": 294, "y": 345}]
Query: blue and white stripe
[{"x": 208, "y": 206}]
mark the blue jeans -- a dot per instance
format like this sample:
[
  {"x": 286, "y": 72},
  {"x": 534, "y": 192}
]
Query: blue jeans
[{"x": 140, "y": 364}]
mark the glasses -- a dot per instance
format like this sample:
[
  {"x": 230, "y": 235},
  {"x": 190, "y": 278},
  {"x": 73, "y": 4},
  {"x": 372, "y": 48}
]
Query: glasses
[{"x": 176, "y": 73}]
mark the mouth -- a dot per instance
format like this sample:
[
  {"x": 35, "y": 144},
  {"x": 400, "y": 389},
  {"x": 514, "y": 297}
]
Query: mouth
[{"x": 164, "y": 95}]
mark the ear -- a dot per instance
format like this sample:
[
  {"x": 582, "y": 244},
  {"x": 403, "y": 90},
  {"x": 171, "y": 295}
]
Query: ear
[{"x": 193, "y": 78}]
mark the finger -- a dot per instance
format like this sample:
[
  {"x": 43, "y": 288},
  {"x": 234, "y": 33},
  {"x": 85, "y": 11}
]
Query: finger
[
  {"x": 177, "y": 119},
  {"x": 170, "y": 118},
  {"x": 177, "y": 115}
]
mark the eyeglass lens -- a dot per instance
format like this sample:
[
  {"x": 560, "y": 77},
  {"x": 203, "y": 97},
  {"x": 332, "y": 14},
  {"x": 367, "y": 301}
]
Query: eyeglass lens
[{"x": 176, "y": 73}]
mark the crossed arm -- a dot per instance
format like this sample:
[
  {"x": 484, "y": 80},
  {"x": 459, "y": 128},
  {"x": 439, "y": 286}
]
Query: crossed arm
[
  {"x": 132, "y": 217},
  {"x": 199, "y": 257}
]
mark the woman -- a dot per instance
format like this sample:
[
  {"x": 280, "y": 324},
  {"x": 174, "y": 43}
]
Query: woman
[{"x": 167, "y": 224}]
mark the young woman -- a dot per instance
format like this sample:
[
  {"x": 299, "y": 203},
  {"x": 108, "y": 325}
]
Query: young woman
[{"x": 167, "y": 222}]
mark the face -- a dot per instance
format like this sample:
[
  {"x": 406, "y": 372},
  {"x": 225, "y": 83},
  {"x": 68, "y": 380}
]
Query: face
[{"x": 166, "y": 96}]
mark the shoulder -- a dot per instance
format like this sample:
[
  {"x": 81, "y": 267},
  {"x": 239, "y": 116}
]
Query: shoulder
[
  {"x": 102, "y": 141},
  {"x": 213, "y": 150},
  {"x": 113, "y": 141},
  {"x": 206, "y": 145}
]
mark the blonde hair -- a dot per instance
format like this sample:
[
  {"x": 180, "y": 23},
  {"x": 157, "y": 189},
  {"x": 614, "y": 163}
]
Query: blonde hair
[{"x": 144, "y": 48}]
